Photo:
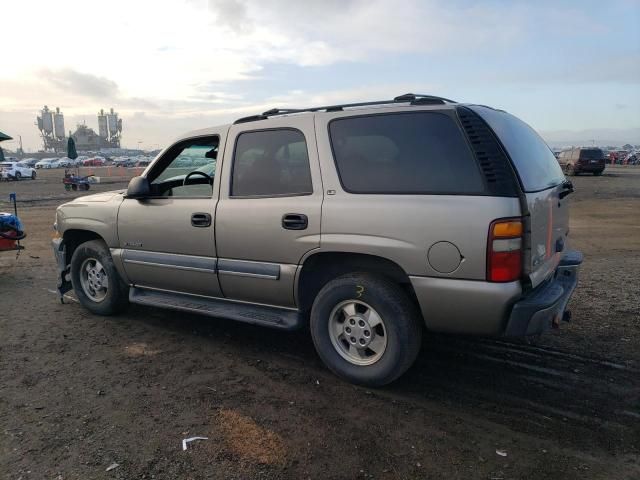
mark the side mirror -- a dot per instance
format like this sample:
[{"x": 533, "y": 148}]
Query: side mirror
[{"x": 138, "y": 188}]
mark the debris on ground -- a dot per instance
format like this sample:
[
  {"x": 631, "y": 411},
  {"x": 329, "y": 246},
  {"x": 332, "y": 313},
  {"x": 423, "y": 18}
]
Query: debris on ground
[{"x": 185, "y": 441}]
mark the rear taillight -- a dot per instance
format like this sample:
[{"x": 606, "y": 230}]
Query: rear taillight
[{"x": 504, "y": 250}]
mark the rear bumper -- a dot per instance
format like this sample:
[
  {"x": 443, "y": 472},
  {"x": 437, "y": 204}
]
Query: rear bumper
[
  {"x": 542, "y": 308},
  {"x": 589, "y": 167}
]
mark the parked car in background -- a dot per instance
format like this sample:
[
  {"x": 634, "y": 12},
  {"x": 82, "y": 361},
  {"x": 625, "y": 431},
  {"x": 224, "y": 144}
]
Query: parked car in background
[
  {"x": 582, "y": 160},
  {"x": 143, "y": 162},
  {"x": 617, "y": 156},
  {"x": 632, "y": 158},
  {"x": 29, "y": 162},
  {"x": 66, "y": 162},
  {"x": 16, "y": 171},
  {"x": 124, "y": 162},
  {"x": 94, "y": 162},
  {"x": 47, "y": 163}
]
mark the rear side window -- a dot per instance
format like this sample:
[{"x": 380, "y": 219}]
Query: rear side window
[
  {"x": 421, "y": 152},
  {"x": 591, "y": 154},
  {"x": 537, "y": 168},
  {"x": 271, "y": 163}
]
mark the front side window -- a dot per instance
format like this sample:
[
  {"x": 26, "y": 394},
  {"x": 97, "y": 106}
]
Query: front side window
[
  {"x": 187, "y": 170},
  {"x": 271, "y": 163},
  {"x": 422, "y": 152}
]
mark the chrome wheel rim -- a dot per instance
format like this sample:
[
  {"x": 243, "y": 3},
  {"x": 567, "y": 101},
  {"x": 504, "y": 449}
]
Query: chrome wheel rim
[
  {"x": 357, "y": 332},
  {"x": 94, "y": 280}
]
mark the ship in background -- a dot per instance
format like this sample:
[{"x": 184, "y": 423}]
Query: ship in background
[{"x": 52, "y": 131}]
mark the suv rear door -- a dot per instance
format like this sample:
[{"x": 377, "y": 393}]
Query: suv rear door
[
  {"x": 541, "y": 180},
  {"x": 268, "y": 215}
]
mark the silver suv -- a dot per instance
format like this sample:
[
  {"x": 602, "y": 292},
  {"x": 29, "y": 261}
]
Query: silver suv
[{"x": 367, "y": 223}]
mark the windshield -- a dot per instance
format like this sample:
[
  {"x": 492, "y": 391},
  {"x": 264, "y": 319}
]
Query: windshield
[{"x": 537, "y": 167}]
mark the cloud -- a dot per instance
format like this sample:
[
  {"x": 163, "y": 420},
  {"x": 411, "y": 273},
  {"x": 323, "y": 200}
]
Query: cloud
[
  {"x": 322, "y": 33},
  {"x": 81, "y": 84}
]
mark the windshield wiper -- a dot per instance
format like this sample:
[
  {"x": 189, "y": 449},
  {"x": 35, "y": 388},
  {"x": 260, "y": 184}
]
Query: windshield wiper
[{"x": 567, "y": 188}]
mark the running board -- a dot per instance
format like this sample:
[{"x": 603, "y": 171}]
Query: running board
[{"x": 213, "y": 307}]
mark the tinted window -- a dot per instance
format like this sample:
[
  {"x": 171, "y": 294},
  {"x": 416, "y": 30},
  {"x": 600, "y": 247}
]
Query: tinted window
[
  {"x": 591, "y": 154},
  {"x": 422, "y": 152},
  {"x": 533, "y": 159},
  {"x": 271, "y": 163}
]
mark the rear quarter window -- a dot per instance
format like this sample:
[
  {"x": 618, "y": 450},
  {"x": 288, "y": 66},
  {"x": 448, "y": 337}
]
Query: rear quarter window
[
  {"x": 532, "y": 158},
  {"x": 404, "y": 153}
]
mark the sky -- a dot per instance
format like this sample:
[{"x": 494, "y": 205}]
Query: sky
[{"x": 571, "y": 69}]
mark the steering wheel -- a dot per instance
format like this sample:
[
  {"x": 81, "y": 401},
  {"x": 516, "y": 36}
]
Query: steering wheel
[{"x": 197, "y": 172}]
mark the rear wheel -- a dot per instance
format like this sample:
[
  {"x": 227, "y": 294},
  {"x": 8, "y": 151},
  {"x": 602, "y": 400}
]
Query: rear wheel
[
  {"x": 96, "y": 281},
  {"x": 365, "y": 329},
  {"x": 33, "y": 175},
  {"x": 598, "y": 173},
  {"x": 571, "y": 170}
]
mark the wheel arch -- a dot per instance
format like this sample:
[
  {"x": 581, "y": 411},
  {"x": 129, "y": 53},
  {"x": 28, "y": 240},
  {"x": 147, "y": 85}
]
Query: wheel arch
[
  {"x": 76, "y": 237},
  {"x": 321, "y": 267}
]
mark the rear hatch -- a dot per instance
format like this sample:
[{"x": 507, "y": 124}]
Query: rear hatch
[
  {"x": 591, "y": 157},
  {"x": 542, "y": 182}
]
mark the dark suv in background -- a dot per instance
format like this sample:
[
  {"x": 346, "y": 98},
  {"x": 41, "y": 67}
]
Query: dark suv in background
[{"x": 582, "y": 160}]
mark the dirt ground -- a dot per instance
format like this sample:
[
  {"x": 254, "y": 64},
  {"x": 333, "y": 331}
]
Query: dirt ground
[{"x": 79, "y": 393}]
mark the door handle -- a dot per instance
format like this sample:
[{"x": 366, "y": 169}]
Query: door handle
[
  {"x": 200, "y": 220},
  {"x": 295, "y": 221}
]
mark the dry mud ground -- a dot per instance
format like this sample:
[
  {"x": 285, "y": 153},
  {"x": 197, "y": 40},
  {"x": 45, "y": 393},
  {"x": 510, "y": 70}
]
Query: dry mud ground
[{"x": 79, "y": 393}]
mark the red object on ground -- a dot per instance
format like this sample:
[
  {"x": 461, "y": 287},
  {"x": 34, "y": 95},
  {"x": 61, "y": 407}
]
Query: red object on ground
[{"x": 7, "y": 243}]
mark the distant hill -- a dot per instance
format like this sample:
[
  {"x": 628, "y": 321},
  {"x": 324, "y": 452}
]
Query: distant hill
[{"x": 601, "y": 136}]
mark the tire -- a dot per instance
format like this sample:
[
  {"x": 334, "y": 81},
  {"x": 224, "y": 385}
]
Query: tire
[
  {"x": 33, "y": 175},
  {"x": 598, "y": 173},
  {"x": 400, "y": 329},
  {"x": 18, "y": 176},
  {"x": 88, "y": 285},
  {"x": 571, "y": 170}
]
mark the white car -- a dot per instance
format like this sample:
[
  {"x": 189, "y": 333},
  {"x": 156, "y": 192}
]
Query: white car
[
  {"x": 47, "y": 163},
  {"x": 16, "y": 171},
  {"x": 69, "y": 162}
]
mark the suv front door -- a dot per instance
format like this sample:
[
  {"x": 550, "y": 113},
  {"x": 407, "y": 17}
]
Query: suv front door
[
  {"x": 168, "y": 238},
  {"x": 268, "y": 216}
]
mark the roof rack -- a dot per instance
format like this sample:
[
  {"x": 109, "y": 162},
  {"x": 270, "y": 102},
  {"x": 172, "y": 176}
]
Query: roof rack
[{"x": 412, "y": 98}]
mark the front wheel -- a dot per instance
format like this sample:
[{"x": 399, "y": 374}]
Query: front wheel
[
  {"x": 96, "y": 281},
  {"x": 18, "y": 176},
  {"x": 365, "y": 329}
]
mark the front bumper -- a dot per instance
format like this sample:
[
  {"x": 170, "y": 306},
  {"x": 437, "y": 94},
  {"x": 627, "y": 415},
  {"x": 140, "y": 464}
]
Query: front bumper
[
  {"x": 542, "y": 308},
  {"x": 60, "y": 254}
]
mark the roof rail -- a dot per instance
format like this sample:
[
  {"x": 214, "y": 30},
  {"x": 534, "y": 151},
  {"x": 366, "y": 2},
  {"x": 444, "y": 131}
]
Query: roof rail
[{"x": 412, "y": 98}]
